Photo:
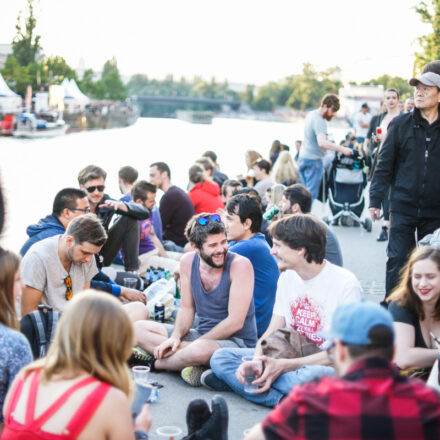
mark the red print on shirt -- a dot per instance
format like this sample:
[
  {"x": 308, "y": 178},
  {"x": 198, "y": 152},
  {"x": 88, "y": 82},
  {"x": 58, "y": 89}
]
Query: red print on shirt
[{"x": 307, "y": 319}]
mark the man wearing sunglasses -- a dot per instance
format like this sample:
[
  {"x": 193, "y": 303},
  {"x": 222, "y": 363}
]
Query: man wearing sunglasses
[
  {"x": 216, "y": 284},
  {"x": 124, "y": 233},
  {"x": 368, "y": 400}
]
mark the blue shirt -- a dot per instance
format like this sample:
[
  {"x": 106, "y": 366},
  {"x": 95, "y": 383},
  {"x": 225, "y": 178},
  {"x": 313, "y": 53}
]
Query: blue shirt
[{"x": 266, "y": 275}]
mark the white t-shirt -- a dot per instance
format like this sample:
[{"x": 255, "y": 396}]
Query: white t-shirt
[
  {"x": 308, "y": 305},
  {"x": 41, "y": 269},
  {"x": 365, "y": 119}
]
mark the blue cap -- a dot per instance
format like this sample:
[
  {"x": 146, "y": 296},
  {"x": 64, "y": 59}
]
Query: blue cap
[{"x": 352, "y": 322}]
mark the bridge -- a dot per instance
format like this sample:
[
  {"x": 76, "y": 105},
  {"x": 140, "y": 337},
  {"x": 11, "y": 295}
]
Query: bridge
[{"x": 179, "y": 100}]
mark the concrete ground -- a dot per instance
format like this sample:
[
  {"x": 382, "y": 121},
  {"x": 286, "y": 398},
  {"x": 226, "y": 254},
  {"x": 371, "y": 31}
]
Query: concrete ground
[{"x": 363, "y": 255}]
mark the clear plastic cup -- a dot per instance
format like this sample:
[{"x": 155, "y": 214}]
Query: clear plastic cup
[
  {"x": 140, "y": 375},
  {"x": 169, "y": 432},
  {"x": 130, "y": 283},
  {"x": 252, "y": 367}
]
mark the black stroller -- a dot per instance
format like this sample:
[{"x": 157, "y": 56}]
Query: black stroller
[{"x": 346, "y": 184}]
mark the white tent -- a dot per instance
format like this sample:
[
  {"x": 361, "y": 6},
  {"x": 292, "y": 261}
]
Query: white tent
[
  {"x": 73, "y": 97},
  {"x": 10, "y": 102}
]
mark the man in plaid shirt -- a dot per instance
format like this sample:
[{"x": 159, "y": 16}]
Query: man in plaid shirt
[{"x": 370, "y": 400}]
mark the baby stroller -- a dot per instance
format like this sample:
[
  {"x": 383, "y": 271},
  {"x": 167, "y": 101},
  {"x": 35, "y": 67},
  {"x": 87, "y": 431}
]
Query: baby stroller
[{"x": 346, "y": 184}]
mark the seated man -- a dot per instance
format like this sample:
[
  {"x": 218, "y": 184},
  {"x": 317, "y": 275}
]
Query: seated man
[
  {"x": 243, "y": 230},
  {"x": 68, "y": 204},
  {"x": 151, "y": 250},
  {"x": 216, "y": 284},
  {"x": 228, "y": 188},
  {"x": 369, "y": 399},
  {"x": 297, "y": 199},
  {"x": 124, "y": 233},
  {"x": 309, "y": 290}
]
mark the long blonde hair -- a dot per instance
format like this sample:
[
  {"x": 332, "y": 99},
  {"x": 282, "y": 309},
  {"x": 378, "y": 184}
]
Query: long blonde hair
[
  {"x": 9, "y": 264},
  {"x": 285, "y": 169},
  {"x": 94, "y": 335}
]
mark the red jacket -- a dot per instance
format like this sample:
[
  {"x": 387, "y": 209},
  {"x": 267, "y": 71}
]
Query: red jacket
[{"x": 206, "y": 197}]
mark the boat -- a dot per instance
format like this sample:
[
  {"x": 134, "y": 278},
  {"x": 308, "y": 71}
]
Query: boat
[{"x": 47, "y": 125}]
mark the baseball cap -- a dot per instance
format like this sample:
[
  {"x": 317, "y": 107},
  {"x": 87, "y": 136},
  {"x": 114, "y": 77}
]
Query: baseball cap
[
  {"x": 428, "y": 79},
  {"x": 364, "y": 105},
  {"x": 352, "y": 323}
]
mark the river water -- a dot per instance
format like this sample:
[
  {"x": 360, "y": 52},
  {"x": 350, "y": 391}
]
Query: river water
[{"x": 33, "y": 171}]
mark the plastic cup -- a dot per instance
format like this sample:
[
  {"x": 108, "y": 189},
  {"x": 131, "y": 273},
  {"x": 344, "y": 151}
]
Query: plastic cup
[
  {"x": 130, "y": 283},
  {"x": 140, "y": 375},
  {"x": 252, "y": 367},
  {"x": 169, "y": 432}
]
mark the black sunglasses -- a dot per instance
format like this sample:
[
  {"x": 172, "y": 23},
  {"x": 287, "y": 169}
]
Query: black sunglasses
[
  {"x": 91, "y": 189},
  {"x": 203, "y": 221}
]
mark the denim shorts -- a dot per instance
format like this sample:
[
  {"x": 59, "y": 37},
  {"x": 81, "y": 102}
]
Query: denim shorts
[{"x": 193, "y": 334}]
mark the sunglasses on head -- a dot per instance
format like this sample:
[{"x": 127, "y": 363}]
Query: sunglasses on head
[
  {"x": 91, "y": 189},
  {"x": 203, "y": 221},
  {"x": 69, "y": 291}
]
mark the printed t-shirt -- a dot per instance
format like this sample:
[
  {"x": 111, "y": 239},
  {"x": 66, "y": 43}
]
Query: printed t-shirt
[
  {"x": 308, "y": 305},
  {"x": 41, "y": 269},
  {"x": 145, "y": 242}
]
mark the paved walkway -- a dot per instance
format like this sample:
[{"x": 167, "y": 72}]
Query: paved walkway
[{"x": 362, "y": 255}]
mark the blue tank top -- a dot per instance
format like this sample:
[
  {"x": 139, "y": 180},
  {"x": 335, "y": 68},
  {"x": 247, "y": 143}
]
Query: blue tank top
[{"x": 212, "y": 306}]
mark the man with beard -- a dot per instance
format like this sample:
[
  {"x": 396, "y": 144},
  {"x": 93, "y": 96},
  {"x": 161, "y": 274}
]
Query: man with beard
[
  {"x": 315, "y": 144},
  {"x": 309, "y": 290},
  {"x": 216, "y": 284}
]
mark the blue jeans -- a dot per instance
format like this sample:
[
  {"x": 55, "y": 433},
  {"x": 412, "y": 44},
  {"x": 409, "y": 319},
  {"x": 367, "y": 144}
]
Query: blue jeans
[
  {"x": 224, "y": 363},
  {"x": 171, "y": 246},
  {"x": 311, "y": 171}
]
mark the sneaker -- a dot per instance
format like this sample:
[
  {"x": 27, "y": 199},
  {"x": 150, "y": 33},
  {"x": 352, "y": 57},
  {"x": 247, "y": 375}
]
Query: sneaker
[
  {"x": 197, "y": 414},
  {"x": 212, "y": 382},
  {"x": 216, "y": 427},
  {"x": 140, "y": 357},
  {"x": 192, "y": 375},
  {"x": 383, "y": 236}
]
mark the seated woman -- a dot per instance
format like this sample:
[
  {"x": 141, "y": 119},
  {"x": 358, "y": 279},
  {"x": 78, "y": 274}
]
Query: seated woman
[
  {"x": 15, "y": 351},
  {"x": 80, "y": 390},
  {"x": 415, "y": 306},
  {"x": 285, "y": 170}
]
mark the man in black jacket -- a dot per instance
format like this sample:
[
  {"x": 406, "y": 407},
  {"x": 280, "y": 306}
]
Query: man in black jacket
[
  {"x": 409, "y": 163},
  {"x": 124, "y": 233}
]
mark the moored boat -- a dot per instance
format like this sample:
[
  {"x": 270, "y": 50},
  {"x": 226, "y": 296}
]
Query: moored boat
[{"x": 29, "y": 126}]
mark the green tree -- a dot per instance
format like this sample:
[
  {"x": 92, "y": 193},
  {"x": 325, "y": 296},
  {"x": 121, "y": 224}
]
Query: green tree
[
  {"x": 429, "y": 12},
  {"x": 16, "y": 76},
  {"x": 111, "y": 82},
  {"x": 392, "y": 82},
  {"x": 26, "y": 44}
]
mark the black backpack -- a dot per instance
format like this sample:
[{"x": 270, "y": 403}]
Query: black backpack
[{"x": 39, "y": 329}]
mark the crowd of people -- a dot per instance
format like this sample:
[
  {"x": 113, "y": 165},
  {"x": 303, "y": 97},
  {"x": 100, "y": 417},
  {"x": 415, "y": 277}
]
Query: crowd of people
[{"x": 266, "y": 310}]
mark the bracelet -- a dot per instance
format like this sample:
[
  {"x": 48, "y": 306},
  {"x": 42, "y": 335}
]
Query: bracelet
[
  {"x": 116, "y": 290},
  {"x": 140, "y": 435}
]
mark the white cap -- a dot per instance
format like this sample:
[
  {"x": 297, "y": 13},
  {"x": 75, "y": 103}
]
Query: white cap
[{"x": 428, "y": 79}]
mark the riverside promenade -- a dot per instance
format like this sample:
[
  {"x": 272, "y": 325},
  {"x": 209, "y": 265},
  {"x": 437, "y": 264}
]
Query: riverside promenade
[{"x": 362, "y": 254}]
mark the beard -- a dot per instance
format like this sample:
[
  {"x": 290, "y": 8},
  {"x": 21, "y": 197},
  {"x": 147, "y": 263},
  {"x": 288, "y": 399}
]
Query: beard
[
  {"x": 209, "y": 260},
  {"x": 327, "y": 116}
]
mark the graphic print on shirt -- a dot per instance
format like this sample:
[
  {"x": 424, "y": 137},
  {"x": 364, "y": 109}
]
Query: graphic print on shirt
[{"x": 306, "y": 319}]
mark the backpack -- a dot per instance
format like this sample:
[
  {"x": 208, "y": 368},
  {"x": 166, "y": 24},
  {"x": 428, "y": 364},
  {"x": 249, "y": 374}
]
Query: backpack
[{"x": 39, "y": 329}]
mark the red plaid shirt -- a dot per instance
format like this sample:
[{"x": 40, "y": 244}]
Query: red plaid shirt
[{"x": 372, "y": 401}]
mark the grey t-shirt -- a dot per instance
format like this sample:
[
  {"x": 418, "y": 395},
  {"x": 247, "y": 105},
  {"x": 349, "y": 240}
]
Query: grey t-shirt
[
  {"x": 333, "y": 250},
  {"x": 313, "y": 125},
  {"x": 41, "y": 269},
  {"x": 262, "y": 186}
]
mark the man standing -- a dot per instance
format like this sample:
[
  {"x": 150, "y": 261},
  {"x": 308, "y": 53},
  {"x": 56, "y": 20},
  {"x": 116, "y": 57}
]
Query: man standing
[
  {"x": 409, "y": 163},
  {"x": 297, "y": 199},
  {"x": 68, "y": 204},
  {"x": 315, "y": 144},
  {"x": 362, "y": 122},
  {"x": 309, "y": 291},
  {"x": 175, "y": 207},
  {"x": 124, "y": 233},
  {"x": 216, "y": 284},
  {"x": 56, "y": 268},
  {"x": 369, "y": 399},
  {"x": 243, "y": 230}
]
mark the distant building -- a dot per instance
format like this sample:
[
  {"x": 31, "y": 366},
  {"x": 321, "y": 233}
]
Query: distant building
[
  {"x": 5, "y": 51},
  {"x": 353, "y": 96}
]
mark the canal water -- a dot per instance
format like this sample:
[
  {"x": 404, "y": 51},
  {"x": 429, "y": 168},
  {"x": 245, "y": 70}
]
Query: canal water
[{"x": 33, "y": 171}]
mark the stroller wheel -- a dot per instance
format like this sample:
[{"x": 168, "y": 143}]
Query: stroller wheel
[
  {"x": 368, "y": 225},
  {"x": 326, "y": 220}
]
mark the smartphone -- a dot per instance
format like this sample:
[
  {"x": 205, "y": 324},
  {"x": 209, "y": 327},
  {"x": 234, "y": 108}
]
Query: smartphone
[{"x": 142, "y": 395}]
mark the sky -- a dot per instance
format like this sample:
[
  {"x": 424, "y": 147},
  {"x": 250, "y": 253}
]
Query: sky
[{"x": 242, "y": 41}]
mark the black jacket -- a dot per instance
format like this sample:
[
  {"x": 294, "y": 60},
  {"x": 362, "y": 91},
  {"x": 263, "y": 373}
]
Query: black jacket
[
  {"x": 136, "y": 211},
  {"x": 409, "y": 163}
]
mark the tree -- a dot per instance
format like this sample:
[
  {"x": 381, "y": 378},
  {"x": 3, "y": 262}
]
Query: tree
[
  {"x": 111, "y": 82},
  {"x": 392, "y": 82},
  {"x": 16, "y": 76},
  {"x": 26, "y": 44},
  {"x": 429, "y": 13}
]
